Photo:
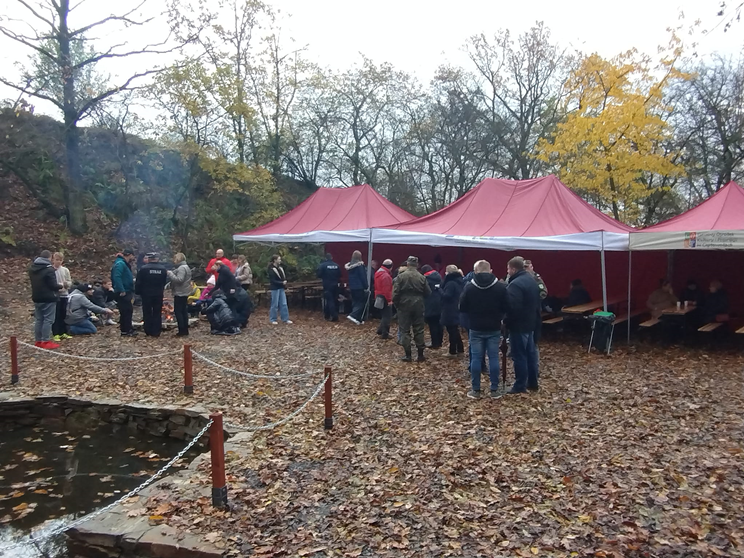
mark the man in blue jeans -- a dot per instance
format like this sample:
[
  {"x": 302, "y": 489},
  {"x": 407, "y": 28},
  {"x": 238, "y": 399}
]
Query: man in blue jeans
[
  {"x": 484, "y": 301},
  {"x": 522, "y": 320}
]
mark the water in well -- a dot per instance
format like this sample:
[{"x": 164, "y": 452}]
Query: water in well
[{"x": 51, "y": 476}]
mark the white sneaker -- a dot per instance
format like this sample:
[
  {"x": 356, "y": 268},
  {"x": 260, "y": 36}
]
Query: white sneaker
[
  {"x": 289, "y": 322},
  {"x": 110, "y": 322},
  {"x": 353, "y": 320},
  {"x": 274, "y": 323}
]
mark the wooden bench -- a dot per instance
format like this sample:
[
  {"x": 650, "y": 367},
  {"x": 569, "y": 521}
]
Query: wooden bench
[
  {"x": 650, "y": 323},
  {"x": 629, "y": 315},
  {"x": 710, "y": 327},
  {"x": 555, "y": 320}
]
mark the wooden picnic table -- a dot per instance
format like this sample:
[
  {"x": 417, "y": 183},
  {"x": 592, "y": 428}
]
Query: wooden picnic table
[
  {"x": 589, "y": 306},
  {"x": 674, "y": 311}
]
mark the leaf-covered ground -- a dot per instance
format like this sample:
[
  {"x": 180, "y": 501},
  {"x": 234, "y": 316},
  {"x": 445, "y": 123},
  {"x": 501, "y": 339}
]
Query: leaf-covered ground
[{"x": 636, "y": 455}]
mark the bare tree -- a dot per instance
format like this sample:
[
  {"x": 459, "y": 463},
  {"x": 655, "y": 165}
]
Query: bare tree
[
  {"x": 519, "y": 92},
  {"x": 710, "y": 117},
  {"x": 52, "y": 40}
]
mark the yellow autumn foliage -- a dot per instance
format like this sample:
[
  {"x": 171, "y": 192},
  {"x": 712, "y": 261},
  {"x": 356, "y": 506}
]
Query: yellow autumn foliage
[{"x": 615, "y": 131}]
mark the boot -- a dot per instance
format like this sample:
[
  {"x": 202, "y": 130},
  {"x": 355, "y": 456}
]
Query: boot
[
  {"x": 407, "y": 358},
  {"x": 420, "y": 357}
]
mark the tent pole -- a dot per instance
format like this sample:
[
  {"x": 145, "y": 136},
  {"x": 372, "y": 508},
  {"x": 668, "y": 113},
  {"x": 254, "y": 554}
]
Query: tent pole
[
  {"x": 369, "y": 262},
  {"x": 630, "y": 264},
  {"x": 604, "y": 275}
]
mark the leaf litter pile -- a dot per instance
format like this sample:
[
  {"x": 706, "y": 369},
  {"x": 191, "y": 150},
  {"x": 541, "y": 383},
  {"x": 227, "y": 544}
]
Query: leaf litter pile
[{"x": 636, "y": 455}]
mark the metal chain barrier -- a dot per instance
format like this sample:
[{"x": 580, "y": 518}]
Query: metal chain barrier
[
  {"x": 100, "y": 359},
  {"x": 59, "y": 530},
  {"x": 286, "y": 419},
  {"x": 246, "y": 374}
]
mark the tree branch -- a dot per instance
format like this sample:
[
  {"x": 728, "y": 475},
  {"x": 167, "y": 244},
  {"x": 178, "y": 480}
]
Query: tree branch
[
  {"x": 50, "y": 23},
  {"x": 25, "y": 91},
  {"x": 110, "y": 54},
  {"x": 22, "y": 39},
  {"x": 106, "y": 94},
  {"x": 124, "y": 18}
]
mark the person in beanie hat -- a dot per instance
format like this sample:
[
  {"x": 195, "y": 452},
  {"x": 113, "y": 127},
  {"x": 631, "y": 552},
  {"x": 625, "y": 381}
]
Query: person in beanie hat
[
  {"x": 151, "y": 280},
  {"x": 44, "y": 293},
  {"x": 409, "y": 291},
  {"x": 384, "y": 292}
]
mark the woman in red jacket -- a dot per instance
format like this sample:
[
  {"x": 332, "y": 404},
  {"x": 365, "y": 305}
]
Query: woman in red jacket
[{"x": 384, "y": 293}]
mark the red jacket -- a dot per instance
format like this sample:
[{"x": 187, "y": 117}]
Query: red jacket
[
  {"x": 384, "y": 284},
  {"x": 224, "y": 260}
]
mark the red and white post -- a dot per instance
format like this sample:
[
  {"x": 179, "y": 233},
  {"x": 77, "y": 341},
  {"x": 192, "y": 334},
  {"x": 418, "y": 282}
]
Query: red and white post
[
  {"x": 217, "y": 449},
  {"x": 188, "y": 371}
]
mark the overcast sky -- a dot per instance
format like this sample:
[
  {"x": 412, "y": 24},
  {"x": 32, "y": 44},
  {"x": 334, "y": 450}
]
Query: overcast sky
[{"x": 418, "y": 35}]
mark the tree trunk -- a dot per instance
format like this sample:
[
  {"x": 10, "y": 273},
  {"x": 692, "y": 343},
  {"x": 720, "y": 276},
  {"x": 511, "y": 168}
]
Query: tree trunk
[{"x": 73, "y": 187}]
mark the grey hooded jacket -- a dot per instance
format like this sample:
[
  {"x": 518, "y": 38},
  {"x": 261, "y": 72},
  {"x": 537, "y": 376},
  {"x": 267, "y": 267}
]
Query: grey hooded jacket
[
  {"x": 78, "y": 306},
  {"x": 180, "y": 280}
]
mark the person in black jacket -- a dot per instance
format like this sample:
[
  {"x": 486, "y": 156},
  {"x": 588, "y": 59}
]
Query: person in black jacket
[
  {"x": 277, "y": 286},
  {"x": 433, "y": 307},
  {"x": 151, "y": 280},
  {"x": 450, "y": 318},
  {"x": 522, "y": 317},
  {"x": 358, "y": 286},
  {"x": 330, "y": 272},
  {"x": 484, "y": 300},
  {"x": 44, "y": 293},
  {"x": 716, "y": 306},
  {"x": 225, "y": 280}
]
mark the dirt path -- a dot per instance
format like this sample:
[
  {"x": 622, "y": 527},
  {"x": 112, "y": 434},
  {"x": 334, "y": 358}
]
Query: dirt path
[{"x": 639, "y": 454}]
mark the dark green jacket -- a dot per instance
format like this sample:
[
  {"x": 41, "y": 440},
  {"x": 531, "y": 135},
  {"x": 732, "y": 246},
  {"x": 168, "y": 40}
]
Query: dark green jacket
[{"x": 409, "y": 288}]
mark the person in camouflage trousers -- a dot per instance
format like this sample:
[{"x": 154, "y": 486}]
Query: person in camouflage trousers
[{"x": 409, "y": 290}]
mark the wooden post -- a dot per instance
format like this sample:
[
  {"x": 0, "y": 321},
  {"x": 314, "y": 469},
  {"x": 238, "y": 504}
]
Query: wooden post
[
  {"x": 217, "y": 449},
  {"x": 13, "y": 360},
  {"x": 188, "y": 373},
  {"x": 328, "y": 423}
]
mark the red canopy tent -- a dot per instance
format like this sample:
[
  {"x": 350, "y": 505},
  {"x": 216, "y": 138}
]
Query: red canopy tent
[
  {"x": 537, "y": 214},
  {"x": 331, "y": 215},
  {"x": 694, "y": 241},
  {"x": 715, "y": 224}
]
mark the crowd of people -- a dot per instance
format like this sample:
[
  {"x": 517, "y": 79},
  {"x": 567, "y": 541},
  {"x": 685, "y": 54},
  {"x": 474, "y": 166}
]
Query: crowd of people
[
  {"x": 444, "y": 299},
  {"x": 713, "y": 307},
  {"x": 479, "y": 303},
  {"x": 63, "y": 308}
]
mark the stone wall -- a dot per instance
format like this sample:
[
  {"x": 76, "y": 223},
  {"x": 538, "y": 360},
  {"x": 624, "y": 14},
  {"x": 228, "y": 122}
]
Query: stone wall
[{"x": 167, "y": 420}]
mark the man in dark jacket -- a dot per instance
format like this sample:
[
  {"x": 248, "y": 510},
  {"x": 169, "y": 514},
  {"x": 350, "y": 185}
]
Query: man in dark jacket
[
  {"x": 433, "y": 306},
  {"x": 241, "y": 306},
  {"x": 221, "y": 319},
  {"x": 521, "y": 320},
  {"x": 716, "y": 306},
  {"x": 451, "y": 291},
  {"x": 358, "y": 286},
  {"x": 578, "y": 294},
  {"x": 410, "y": 289},
  {"x": 123, "y": 283},
  {"x": 330, "y": 272},
  {"x": 151, "y": 280},
  {"x": 44, "y": 293},
  {"x": 224, "y": 279},
  {"x": 484, "y": 300}
]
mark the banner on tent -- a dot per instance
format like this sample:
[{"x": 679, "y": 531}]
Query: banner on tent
[{"x": 689, "y": 240}]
